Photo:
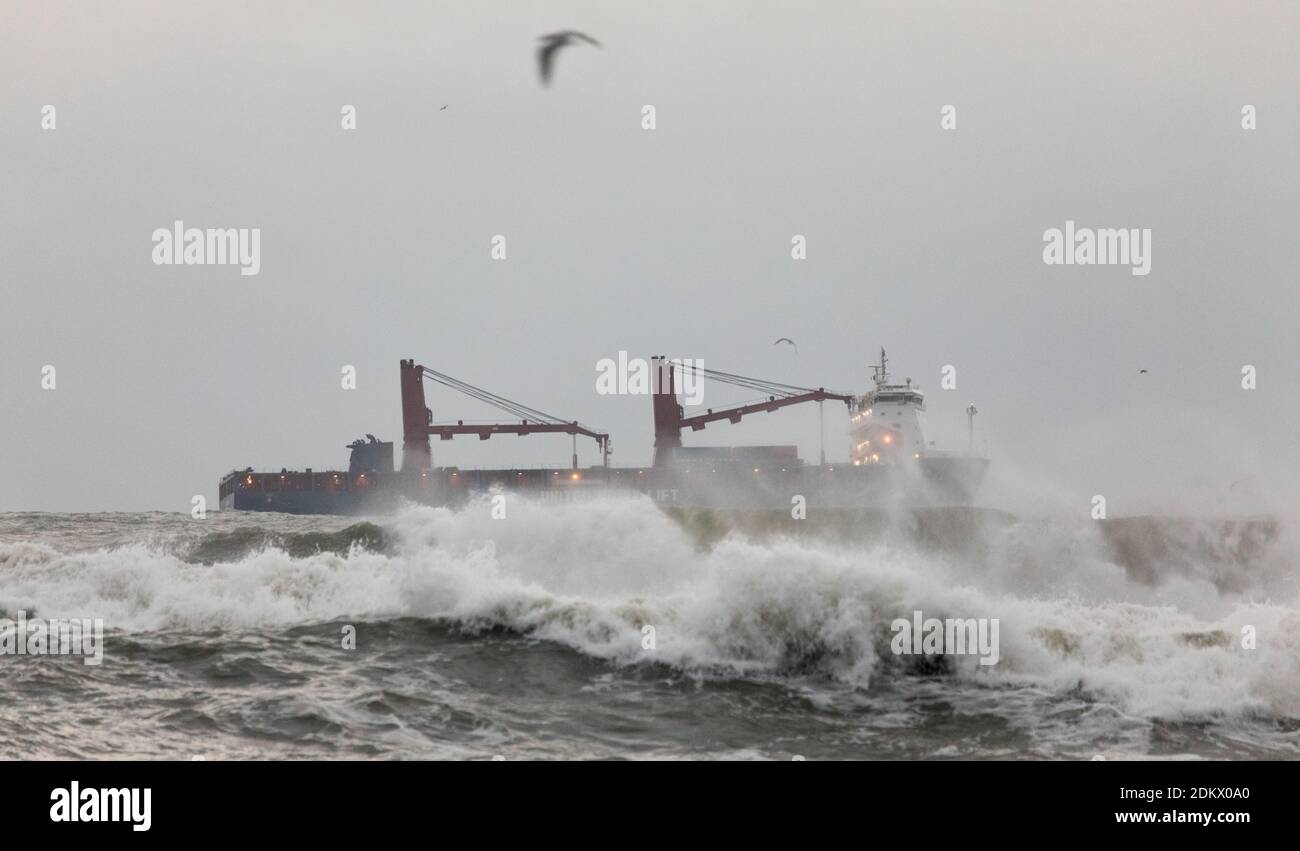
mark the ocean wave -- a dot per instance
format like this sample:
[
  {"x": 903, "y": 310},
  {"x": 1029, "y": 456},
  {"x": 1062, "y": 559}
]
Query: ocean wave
[
  {"x": 1074, "y": 619},
  {"x": 226, "y": 545}
]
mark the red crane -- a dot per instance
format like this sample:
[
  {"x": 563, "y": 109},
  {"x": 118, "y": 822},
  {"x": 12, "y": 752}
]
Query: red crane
[
  {"x": 418, "y": 424},
  {"x": 670, "y": 417}
]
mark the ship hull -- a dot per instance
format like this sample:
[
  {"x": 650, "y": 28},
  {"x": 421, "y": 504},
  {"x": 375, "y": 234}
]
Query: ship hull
[{"x": 928, "y": 481}]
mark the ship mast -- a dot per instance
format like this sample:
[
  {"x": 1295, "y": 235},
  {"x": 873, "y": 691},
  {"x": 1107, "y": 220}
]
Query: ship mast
[{"x": 881, "y": 372}]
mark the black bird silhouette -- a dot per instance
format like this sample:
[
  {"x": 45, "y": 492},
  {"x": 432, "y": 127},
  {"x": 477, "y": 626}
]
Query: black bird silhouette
[
  {"x": 780, "y": 340},
  {"x": 1142, "y": 372},
  {"x": 444, "y": 107},
  {"x": 551, "y": 44}
]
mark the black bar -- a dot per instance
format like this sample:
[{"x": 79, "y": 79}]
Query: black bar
[{"x": 211, "y": 800}]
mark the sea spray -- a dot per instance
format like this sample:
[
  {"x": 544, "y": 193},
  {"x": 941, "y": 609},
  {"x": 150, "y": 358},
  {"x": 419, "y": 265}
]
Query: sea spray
[{"x": 771, "y": 608}]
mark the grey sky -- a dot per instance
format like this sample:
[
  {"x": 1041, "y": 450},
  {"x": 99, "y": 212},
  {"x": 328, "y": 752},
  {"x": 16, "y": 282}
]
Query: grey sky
[{"x": 774, "y": 119}]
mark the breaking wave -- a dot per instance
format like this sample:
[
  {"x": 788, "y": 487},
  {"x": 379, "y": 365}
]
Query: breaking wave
[{"x": 1150, "y": 616}]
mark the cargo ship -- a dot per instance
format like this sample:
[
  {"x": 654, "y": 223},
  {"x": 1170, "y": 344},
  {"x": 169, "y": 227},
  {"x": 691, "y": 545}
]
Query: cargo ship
[{"x": 890, "y": 460}]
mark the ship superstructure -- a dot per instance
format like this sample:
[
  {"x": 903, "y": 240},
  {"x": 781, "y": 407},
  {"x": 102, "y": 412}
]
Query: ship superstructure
[{"x": 887, "y": 423}]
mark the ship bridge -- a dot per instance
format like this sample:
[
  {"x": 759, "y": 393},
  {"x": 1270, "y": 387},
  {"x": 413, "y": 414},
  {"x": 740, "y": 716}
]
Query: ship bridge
[{"x": 886, "y": 425}]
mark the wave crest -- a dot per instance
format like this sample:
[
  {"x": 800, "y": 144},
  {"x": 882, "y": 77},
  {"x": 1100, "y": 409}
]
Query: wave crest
[{"x": 593, "y": 576}]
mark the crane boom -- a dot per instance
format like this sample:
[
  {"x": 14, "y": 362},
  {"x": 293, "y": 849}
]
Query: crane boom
[
  {"x": 418, "y": 425},
  {"x": 670, "y": 417},
  {"x": 698, "y": 422}
]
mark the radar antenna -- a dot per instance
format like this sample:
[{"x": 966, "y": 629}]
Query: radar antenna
[{"x": 880, "y": 371}]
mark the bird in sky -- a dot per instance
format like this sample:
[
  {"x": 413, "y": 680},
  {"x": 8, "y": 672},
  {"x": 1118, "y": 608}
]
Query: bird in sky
[
  {"x": 443, "y": 107},
  {"x": 1142, "y": 372},
  {"x": 551, "y": 45},
  {"x": 780, "y": 340}
]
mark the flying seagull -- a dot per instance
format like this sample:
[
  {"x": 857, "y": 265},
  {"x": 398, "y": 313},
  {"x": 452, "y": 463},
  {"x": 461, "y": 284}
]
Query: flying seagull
[
  {"x": 780, "y": 340},
  {"x": 551, "y": 45}
]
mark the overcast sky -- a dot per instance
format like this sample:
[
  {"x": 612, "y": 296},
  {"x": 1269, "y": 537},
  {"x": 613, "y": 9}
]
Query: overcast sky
[{"x": 773, "y": 119}]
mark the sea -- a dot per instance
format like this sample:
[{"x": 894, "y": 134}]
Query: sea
[{"x": 614, "y": 629}]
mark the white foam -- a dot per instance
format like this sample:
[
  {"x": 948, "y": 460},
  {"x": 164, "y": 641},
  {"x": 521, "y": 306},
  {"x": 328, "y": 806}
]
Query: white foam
[{"x": 591, "y": 575}]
